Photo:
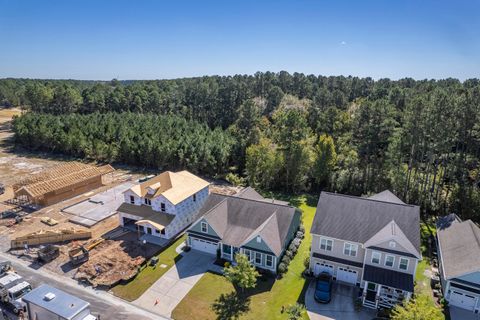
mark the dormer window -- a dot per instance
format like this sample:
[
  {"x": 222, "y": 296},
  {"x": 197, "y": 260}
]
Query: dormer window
[{"x": 204, "y": 227}]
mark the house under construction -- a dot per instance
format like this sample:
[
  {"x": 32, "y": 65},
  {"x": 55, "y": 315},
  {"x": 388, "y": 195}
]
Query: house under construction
[{"x": 60, "y": 182}]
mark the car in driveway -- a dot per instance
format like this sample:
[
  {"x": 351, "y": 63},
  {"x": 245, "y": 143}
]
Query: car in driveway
[{"x": 323, "y": 288}]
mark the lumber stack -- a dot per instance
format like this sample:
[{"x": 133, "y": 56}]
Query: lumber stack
[{"x": 49, "y": 236}]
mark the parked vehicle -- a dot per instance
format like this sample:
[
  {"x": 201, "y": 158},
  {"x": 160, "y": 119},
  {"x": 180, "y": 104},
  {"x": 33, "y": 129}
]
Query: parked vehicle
[
  {"x": 48, "y": 253},
  {"x": 12, "y": 289},
  {"x": 4, "y": 267},
  {"x": 323, "y": 288}
]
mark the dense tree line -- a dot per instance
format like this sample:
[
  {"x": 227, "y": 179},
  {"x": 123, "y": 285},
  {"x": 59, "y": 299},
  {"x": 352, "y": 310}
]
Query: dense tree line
[
  {"x": 155, "y": 141},
  {"x": 292, "y": 132}
]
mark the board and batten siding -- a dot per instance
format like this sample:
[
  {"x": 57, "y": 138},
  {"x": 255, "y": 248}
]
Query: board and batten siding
[{"x": 197, "y": 227}]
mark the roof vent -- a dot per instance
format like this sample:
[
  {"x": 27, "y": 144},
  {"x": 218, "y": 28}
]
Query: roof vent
[{"x": 49, "y": 296}]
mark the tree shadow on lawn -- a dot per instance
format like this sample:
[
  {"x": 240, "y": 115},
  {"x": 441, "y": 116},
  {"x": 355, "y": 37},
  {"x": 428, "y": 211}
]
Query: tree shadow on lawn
[{"x": 231, "y": 305}]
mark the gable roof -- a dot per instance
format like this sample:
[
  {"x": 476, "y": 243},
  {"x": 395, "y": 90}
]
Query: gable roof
[
  {"x": 358, "y": 219},
  {"x": 459, "y": 245},
  {"x": 174, "y": 186},
  {"x": 60, "y": 177},
  {"x": 237, "y": 220},
  {"x": 386, "y": 196},
  {"x": 250, "y": 193}
]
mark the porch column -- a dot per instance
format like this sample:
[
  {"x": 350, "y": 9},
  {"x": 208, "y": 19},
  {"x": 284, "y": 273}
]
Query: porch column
[
  {"x": 377, "y": 298},
  {"x": 364, "y": 293}
]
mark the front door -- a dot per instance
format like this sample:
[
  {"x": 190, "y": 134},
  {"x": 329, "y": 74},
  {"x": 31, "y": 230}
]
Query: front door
[{"x": 371, "y": 292}]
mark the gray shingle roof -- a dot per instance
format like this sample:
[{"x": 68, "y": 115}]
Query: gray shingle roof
[
  {"x": 250, "y": 193},
  {"x": 239, "y": 219},
  {"x": 391, "y": 278},
  {"x": 459, "y": 245},
  {"x": 358, "y": 219},
  {"x": 386, "y": 196}
]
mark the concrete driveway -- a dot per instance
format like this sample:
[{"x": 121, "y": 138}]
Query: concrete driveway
[
  {"x": 341, "y": 307},
  {"x": 164, "y": 295},
  {"x": 457, "y": 313}
]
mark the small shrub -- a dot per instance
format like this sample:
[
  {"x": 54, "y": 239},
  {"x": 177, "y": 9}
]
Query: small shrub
[
  {"x": 289, "y": 254},
  {"x": 227, "y": 264},
  {"x": 300, "y": 235},
  {"x": 297, "y": 242},
  {"x": 301, "y": 228},
  {"x": 286, "y": 259},
  {"x": 293, "y": 248},
  {"x": 282, "y": 268},
  {"x": 235, "y": 179},
  {"x": 306, "y": 262}
]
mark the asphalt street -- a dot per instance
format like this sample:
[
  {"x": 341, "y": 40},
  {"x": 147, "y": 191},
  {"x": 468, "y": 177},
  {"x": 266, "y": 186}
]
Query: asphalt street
[{"x": 101, "y": 302}]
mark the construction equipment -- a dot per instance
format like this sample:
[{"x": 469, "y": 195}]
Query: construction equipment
[
  {"x": 49, "y": 236},
  {"x": 48, "y": 253},
  {"x": 49, "y": 221},
  {"x": 12, "y": 289},
  {"x": 4, "y": 267},
  {"x": 81, "y": 254}
]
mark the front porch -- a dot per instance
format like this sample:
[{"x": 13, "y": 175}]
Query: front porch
[
  {"x": 376, "y": 296},
  {"x": 257, "y": 258}
]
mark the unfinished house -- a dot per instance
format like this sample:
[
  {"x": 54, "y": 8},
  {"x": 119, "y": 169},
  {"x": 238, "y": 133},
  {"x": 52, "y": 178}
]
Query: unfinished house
[
  {"x": 159, "y": 208},
  {"x": 60, "y": 182}
]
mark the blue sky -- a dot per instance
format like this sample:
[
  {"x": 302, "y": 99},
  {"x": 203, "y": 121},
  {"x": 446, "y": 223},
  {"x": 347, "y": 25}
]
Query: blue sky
[{"x": 87, "y": 39}]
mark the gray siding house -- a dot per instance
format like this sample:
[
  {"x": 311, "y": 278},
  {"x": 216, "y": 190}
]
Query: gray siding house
[
  {"x": 245, "y": 223},
  {"x": 373, "y": 243},
  {"x": 459, "y": 261}
]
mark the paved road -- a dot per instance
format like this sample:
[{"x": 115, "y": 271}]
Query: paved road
[
  {"x": 167, "y": 292},
  {"x": 103, "y": 303}
]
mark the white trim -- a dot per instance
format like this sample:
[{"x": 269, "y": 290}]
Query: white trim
[
  {"x": 266, "y": 261},
  {"x": 352, "y": 245},
  {"x": 400, "y": 263},
  {"x": 379, "y": 258},
  {"x": 386, "y": 259},
  {"x": 203, "y": 223},
  {"x": 261, "y": 258},
  {"x": 326, "y": 244}
]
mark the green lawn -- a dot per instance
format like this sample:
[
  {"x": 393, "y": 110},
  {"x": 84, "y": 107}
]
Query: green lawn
[
  {"x": 267, "y": 299},
  {"x": 145, "y": 278}
]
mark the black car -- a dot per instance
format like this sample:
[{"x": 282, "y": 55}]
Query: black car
[{"x": 323, "y": 288}]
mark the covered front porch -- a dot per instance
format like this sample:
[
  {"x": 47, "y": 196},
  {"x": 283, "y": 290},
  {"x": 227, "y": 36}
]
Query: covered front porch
[
  {"x": 376, "y": 295},
  {"x": 257, "y": 258},
  {"x": 384, "y": 287}
]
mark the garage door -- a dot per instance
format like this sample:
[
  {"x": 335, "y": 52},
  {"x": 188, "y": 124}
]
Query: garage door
[
  {"x": 322, "y": 267},
  {"x": 204, "y": 245},
  {"x": 346, "y": 275},
  {"x": 462, "y": 300}
]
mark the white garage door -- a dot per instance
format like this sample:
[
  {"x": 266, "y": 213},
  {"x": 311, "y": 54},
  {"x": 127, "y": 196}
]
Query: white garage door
[
  {"x": 322, "y": 267},
  {"x": 462, "y": 300},
  {"x": 204, "y": 245},
  {"x": 346, "y": 275}
]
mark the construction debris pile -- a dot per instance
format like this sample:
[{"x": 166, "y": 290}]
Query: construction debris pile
[{"x": 111, "y": 262}]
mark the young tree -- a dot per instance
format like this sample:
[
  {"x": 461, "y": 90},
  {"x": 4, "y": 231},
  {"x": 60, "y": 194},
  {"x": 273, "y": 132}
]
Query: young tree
[
  {"x": 295, "y": 311},
  {"x": 243, "y": 274},
  {"x": 325, "y": 160},
  {"x": 420, "y": 308}
]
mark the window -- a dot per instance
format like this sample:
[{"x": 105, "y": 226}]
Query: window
[
  {"x": 258, "y": 258},
  {"x": 162, "y": 231},
  {"x": 326, "y": 244},
  {"x": 259, "y": 239},
  {"x": 248, "y": 253},
  {"x": 148, "y": 202},
  {"x": 162, "y": 206},
  {"x": 204, "y": 226},
  {"x": 403, "y": 264},
  {"x": 132, "y": 199},
  {"x": 194, "y": 197},
  {"x": 392, "y": 244},
  {"x": 376, "y": 257},
  {"x": 157, "y": 231},
  {"x": 227, "y": 249},
  {"x": 389, "y": 261},
  {"x": 269, "y": 261},
  {"x": 350, "y": 249}
]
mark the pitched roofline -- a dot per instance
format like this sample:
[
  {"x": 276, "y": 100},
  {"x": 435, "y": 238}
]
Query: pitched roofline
[
  {"x": 254, "y": 200},
  {"x": 368, "y": 199},
  {"x": 260, "y": 228}
]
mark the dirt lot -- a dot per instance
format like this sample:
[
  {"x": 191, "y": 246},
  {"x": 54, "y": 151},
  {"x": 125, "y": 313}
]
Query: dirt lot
[{"x": 123, "y": 252}]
